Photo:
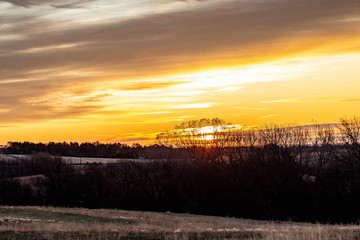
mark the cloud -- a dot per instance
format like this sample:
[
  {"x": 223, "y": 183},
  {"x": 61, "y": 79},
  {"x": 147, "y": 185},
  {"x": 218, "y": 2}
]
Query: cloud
[
  {"x": 29, "y": 3},
  {"x": 129, "y": 138},
  {"x": 284, "y": 101},
  {"x": 72, "y": 4},
  {"x": 23, "y": 114},
  {"x": 136, "y": 139},
  {"x": 228, "y": 89},
  {"x": 193, "y": 105},
  {"x": 51, "y": 107},
  {"x": 233, "y": 31},
  {"x": 143, "y": 85},
  {"x": 249, "y": 108},
  {"x": 271, "y": 115},
  {"x": 351, "y": 100},
  {"x": 311, "y": 100},
  {"x": 23, "y": 3},
  {"x": 44, "y": 53}
]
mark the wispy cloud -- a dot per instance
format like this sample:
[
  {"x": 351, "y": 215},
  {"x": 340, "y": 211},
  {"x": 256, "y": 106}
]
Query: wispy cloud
[
  {"x": 129, "y": 138},
  {"x": 249, "y": 108},
  {"x": 193, "y": 105},
  {"x": 311, "y": 100},
  {"x": 271, "y": 115},
  {"x": 63, "y": 106},
  {"x": 64, "y": 4},
  {"x": 228, "y": 89},
  {"x": 350, "y": 100},
  {"x": 282, "y": 101}
]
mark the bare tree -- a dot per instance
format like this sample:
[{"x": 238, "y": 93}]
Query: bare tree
[
  {"x": 348, "y": 152},
  {"x": 321, "y": 150},
  {"x": 204, "y": 139}
]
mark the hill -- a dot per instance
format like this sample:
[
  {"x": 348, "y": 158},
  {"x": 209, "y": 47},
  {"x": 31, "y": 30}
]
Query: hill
[{"x": 77, "y": 223}]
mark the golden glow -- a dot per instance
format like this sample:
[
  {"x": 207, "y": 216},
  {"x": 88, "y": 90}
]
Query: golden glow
[
  {"x": 125, "y": 71},
  {"x": 207, "y": 137},
  {"x": 276, "y": 92}
]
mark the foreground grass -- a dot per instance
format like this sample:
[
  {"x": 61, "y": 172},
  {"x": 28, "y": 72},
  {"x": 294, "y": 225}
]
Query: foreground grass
[{"x": 65, "y": 223}]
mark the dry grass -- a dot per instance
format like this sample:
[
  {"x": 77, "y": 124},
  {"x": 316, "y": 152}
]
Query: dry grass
[{"x": 66, "y": 223}]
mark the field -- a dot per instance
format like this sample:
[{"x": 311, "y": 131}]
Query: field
[
  {"x": 76, "y": 160},
  {"x": 67, "y": 223}
]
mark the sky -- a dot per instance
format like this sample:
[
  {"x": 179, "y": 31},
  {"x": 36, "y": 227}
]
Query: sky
[{"x": 123, "y": 71}]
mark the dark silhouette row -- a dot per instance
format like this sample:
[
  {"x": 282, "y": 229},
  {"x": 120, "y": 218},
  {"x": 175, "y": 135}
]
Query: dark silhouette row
[{"x": 276, "y": 172}]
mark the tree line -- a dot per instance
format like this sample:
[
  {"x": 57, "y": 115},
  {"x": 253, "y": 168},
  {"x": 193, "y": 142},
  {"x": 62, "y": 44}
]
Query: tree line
[
  {"x": 87, "y": 149},
  {"x": 209, "y": 167}
]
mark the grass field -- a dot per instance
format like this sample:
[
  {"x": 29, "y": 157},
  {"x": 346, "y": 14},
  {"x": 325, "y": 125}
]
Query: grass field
[{"x": 67, "y": 223}]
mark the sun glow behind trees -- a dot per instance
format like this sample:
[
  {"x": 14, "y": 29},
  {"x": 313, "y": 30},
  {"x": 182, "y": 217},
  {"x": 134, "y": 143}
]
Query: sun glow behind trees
[
  {"x": 199, "y": 133},
  {"x": 216, "y": 133}
]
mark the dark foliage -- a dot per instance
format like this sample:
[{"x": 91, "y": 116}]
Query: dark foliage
[
  {"x": 114, "y": 150},
  {"x": 278, "y": 179}
]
